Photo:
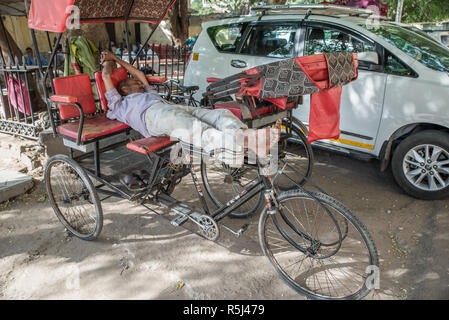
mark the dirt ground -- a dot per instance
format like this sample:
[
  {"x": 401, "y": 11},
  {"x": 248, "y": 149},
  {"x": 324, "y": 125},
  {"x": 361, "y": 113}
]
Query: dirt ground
[{"x": 140, "y": 255}]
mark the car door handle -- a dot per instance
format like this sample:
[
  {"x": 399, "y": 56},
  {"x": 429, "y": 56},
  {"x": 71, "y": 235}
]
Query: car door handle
[{"x": 238, "y": 63}]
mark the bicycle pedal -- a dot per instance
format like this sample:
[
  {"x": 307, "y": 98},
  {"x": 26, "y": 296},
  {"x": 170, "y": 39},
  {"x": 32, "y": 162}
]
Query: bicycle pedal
[
  {"x": 179, "y": 220},
  {"x": 238, "y": 232}
]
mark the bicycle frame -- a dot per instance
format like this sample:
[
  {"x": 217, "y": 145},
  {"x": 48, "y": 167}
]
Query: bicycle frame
[{"x": 264, "y": 184}]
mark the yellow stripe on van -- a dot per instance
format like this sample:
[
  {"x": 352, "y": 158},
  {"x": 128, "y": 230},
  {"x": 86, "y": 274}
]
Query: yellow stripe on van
[
  {"x": 355, "y": 143},
  {"x": 350, "y": 142}
]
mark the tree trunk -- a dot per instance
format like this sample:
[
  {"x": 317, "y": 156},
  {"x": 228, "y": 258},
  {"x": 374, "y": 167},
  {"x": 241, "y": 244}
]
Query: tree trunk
[
  {"x": 179, "y": 22},
  {"x": 399, "y": 10},
  {"x": 8, "y": 46}
]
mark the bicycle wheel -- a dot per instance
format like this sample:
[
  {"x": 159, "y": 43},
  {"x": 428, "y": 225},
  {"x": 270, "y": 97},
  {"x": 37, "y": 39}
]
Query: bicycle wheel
[
  {"x": 73, "y": 197},
  {"x": 323, "y": 254},
  {"x": 296, "y": 153},
  {"x": 222, "y": 183}
]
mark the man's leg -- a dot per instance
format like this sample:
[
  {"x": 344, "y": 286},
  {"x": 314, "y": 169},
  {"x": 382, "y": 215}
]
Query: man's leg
[{"x": 180, "y": 122}]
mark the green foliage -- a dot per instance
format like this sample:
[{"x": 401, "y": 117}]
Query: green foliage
[
  {"x": 420, "y": 10},
  {"x": 234, "y": 7},
  {"x": 413, "y": 10}
]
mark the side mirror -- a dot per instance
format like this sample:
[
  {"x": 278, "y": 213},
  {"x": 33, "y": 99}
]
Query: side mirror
[{"x": 368, "y": 57}]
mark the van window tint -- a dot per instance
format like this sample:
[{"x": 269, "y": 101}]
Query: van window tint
[
  {"x": 323, "y": 40},
  {"x": 428, "y": 52},
  {"x": 226, "y": 38},
  {"x": 271, "y": 41},
  {"x": 396, "y": 67}
]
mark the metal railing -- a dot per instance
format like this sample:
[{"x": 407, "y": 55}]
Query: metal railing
[
  {"x": 18, "y": 110},
  {"x": 19, "y": 114},
  {"x": 161, "y": 60}
]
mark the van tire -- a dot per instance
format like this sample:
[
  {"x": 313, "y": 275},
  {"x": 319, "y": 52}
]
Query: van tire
[{"x": 413, "y": 149}]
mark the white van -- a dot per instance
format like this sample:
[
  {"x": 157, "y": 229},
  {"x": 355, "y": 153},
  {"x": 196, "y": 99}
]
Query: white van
[{"x": 396, "y": 111}]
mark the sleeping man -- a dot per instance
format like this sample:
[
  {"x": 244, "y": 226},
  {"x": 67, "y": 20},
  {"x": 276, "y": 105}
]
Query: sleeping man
[{"x": 135, "y": 103}]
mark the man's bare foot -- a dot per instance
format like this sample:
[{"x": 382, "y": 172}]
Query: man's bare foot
[
  {"x": 274, "y": 135},
  {"x": 261, "y": 141}
]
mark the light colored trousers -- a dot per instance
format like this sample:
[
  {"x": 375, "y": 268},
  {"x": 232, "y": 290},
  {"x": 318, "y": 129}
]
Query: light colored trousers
[{"x": 209, "y": 129}]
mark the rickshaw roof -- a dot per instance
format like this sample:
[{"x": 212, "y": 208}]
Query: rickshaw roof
[{"x": 50, "y": 15}]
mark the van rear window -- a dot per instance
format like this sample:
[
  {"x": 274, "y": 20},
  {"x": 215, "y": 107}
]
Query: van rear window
[{"x": 226, "y": 38}]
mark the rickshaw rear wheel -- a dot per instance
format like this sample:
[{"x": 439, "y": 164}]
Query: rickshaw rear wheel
[
  {"x": 294, "y": 150},
  {"x": 73, "y": 197}
]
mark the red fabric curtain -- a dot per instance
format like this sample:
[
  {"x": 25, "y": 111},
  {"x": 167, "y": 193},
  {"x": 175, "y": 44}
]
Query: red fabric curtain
[
  {"x": 49, "y": 15},
  {"x": 324, "y": 117}
]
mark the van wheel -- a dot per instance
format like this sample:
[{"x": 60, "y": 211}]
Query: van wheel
[{"x": 420, "y": 165}]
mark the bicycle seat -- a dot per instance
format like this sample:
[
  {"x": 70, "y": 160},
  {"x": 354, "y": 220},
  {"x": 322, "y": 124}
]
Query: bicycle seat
[{"x": 189, "y": 88}]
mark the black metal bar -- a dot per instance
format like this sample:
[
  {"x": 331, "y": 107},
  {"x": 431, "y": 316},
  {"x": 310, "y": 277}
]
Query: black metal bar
[
  {"x": 199, "y": 190},
  {"x": 97, "y": 158},
  {"x": 118, "y": 193},
  {"x": 6, "y": 38},
  {"x": 37, "y": 52},
  {"x": 172, "y": 62},
  {"x": 28, "y": 90},
  {"x": 154, "y": 170},
  {"x": 226, "y": 209},
  {"x": 127, "y": 41},
  {"x": 52, "y": 58},
  {"x": 44, "y": 87}
]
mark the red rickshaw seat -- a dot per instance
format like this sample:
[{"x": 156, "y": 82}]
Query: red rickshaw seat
[
  {"x": 148, "y": 145},
  {"x": 118, "y": 75},
  {"x": 93, "y": 127},
  {"x": 78, "y": 88}
]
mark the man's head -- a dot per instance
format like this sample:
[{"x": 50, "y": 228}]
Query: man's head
[
  {"x": 29, "y": 51},
  {"x": 129, "y": 86}
]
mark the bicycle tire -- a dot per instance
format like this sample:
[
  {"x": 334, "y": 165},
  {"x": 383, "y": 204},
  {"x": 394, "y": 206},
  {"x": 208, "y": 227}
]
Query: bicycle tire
[
  {"x": 76, "y": 192},
  {"x": 315, "y": 282},
  {"x": 228, "y": 182},
  {"x": 294, "y": 150},
  {"x": 302, "y": 160}
]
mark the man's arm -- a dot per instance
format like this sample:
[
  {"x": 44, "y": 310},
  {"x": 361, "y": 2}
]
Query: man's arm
[
  {"x": 137, "y": 74},
  {"x": 106, "y": 74}
]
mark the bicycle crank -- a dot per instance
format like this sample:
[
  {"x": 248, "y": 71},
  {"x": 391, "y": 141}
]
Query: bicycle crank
[{"x": 208, "y": 227}]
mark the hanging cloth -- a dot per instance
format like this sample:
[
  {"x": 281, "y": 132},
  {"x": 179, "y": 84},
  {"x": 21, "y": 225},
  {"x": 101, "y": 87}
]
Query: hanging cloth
[
  {"x": 14, "y": 91},
  {"x": 83, "y": 55}
]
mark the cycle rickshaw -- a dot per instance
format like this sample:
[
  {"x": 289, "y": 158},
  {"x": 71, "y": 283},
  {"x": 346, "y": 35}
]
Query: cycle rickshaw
[{"x": 316, "y": 244}]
